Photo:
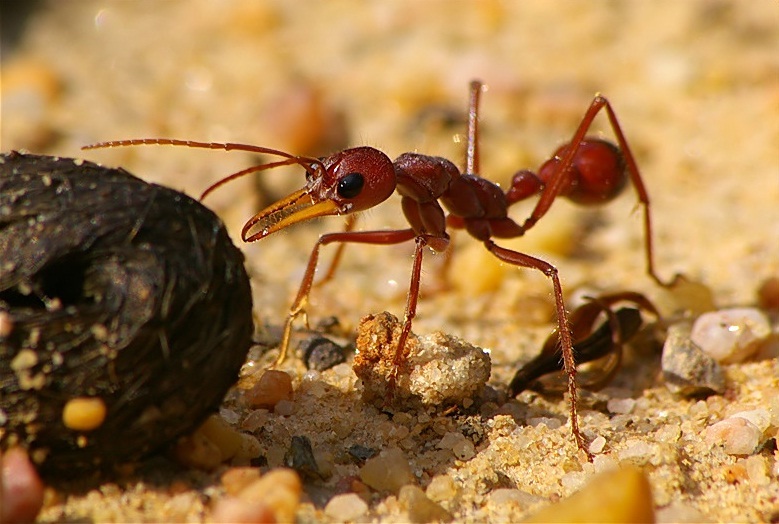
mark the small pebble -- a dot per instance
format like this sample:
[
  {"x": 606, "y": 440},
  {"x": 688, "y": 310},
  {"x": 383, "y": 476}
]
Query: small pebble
[
  {"x": 761, "y": 418},
  {"x": 420, "y": 508},
  {"x": 757, "y": 470},
  {"x": 273, "y": 387},
  {"x": 441, "y": 370},
  {"x": 235, "y": 480},
  {"x": 669, "y": 433},
  {"x": 255, "y": 420},
  {"x": 388, "y": 471},
  {"x": 197, "y": 451},
  {"x": 597, "y": 445},
  {"x": 6, "y": 324},
  {"x": 551, "y": 423},
  {"x": 604, "y": 463},
  {"x": 687, "y": 370},
  {"x": 361, "y": 453},
  {"x": 680, "y": 513},
  {"x": 768, "y": 294},
  {"x": 573, "y": 480},
  {"x": 688, "y": 295},
  {"x": 21, "y": 490},
  {"x": 231, "y": 510},
  {"x": 250, "y": 448},
  {"x": 735, "y": 473},
  {"x": 213, "y": 443},
  {"x": 455, "y": 441},
  {"x": 731, "y": 335},
  {"x": 321, "y": 353},
  {"x": 621, "y": 405},
  {"x": 737, "y": 435},
  {"x": 300, "y": 457},
  {"x": 279, "y": 490},
  {"x": 346, "y": 507},
  {"x": 442, "y": 488},
  {"x": 230, "y": 416},
  {"x": 522, "y": 499},
  {"x": 284, "y": 407},
  {"x": 449, "y": 440},
  {"x": 637, "y": 451},
  {"x": 226, "y": 438},
  {"x": 84, "y": 413}
]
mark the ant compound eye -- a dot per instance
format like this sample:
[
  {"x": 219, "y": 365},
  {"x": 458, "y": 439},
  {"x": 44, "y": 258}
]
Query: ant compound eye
[{"x": 350, "y": 185}]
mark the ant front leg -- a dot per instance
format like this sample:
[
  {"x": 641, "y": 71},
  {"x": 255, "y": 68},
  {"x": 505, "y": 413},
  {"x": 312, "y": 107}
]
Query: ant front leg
[
  {"x": 351, "y": 222},
  {"x": 563, "y": 328},
  {"x": 301, "y": 299}
]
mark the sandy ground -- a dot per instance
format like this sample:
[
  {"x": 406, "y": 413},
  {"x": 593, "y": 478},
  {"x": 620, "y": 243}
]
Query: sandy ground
[{"x": 696, "y": 88}]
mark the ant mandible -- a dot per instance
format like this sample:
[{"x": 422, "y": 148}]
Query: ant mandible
[{"x": 587, "y": 170}]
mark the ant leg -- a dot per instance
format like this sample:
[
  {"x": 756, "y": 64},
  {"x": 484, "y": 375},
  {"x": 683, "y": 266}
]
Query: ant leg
[
  {"x": 638, "y": 184},
  {"x": 472, "y": 147},
  {"x": 301, "y": 299},
  {"x": 351, "y": 221},
  {"x": 559, "y": 179},
  {"x": 411, "y": 311},
  {"x": 563, "y": 328}
]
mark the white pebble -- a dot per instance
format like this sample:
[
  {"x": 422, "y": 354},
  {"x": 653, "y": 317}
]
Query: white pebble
[
  {"x": 597, "y": 445},
  {"x": 757, "y": 470},
  {"x": 603, "y": 463},
  {"x": 761, "y": 418},
  {"x": 449, "y": 439},
  {"x": 678, "y": 511},
  {"x": 346, "y": 507},
  {"x": 523, "y": 499},
  {"x": 636, "y": 450},
  {"x": 737, "y": 435},
  {"x": 551, "y": 423},
  {"x": 621, "y": 405},
  {"x": 442, "y": 488},
  {"x": 574, "y": 480},
  {"x": 731, "y": 335},
  {"x": 387, "y": 471},
  {"x": 462, "y": 448}
]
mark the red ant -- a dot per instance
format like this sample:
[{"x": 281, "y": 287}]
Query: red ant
[{"x": 586, "y": 170}]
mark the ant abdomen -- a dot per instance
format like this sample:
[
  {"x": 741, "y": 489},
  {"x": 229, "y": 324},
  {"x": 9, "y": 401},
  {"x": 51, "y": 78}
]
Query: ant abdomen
[{"x": 597, "y": 173}]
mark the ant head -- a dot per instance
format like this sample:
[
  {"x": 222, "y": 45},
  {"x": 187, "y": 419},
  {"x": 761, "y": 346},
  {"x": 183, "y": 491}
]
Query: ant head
[
  {"x": 353, "y": 180},
  {"x": 346, "y": 182}
]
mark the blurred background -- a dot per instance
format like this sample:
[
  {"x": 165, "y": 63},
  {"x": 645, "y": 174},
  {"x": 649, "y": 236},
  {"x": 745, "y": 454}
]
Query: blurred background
[{"x": 695, "y": 85}]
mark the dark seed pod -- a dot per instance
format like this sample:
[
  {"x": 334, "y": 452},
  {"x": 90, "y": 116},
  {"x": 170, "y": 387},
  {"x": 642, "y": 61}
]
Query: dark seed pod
[{"x": 125, "y": 313}]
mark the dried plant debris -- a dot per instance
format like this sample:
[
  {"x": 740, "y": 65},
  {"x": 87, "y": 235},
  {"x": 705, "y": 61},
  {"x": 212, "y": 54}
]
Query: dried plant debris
[{"x": 125, "y": 313}]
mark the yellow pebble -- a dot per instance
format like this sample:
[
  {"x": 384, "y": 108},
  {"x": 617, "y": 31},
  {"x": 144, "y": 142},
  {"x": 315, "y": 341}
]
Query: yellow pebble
[
  {"x": 623, "y": 495},
  {"x": 84, "y": 413}
]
